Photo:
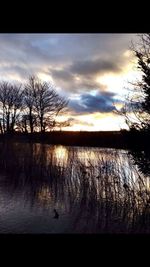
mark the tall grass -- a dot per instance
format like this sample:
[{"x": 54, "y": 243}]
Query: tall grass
[{"x": 100, "y": 190}]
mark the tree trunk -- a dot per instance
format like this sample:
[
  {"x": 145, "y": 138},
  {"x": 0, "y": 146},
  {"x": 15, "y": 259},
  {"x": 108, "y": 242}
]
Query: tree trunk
[
  {"x": 12, "y": 125},
  {"x": 13, "y": 121},
  {"x": 41, "y": 123},
  {"x": 1, "y": 128},
  {"x": 8, "y": 119},
  {"x": 25, "y": 126},
  {"x": 4, "y": 128},
  {"x": 31, "y": 121}
]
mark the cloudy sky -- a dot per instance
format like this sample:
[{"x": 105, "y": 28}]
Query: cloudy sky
[{"x": 91, "y": 70}]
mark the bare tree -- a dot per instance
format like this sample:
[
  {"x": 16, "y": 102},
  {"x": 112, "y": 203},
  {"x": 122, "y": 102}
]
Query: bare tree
[
  {"x": 48, "y": 104},
  {"x": 29, "y": 101},
  {"x": 10, "y": 103},
  {"x": 36, "y": 106},
  {"x": 23, "y": 122},
  {"x": 64, "y": 123},
  {"x": 17, "y": 105},
  {"x": 1, "y": 128},
  {"x": 3, "y": 101}
]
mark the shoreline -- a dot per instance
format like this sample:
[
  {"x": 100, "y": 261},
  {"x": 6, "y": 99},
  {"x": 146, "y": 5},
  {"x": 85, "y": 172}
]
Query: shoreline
[{"x": 112, "y": 139}]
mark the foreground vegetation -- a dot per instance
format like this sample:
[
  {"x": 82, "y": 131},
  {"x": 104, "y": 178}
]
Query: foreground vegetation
[
  {"x": 105, "y": 193},
  {"x": 136, "y": 109}
]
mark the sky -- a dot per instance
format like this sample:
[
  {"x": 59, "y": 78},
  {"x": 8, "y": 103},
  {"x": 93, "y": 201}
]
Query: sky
[{"x": 92, "y": 71}]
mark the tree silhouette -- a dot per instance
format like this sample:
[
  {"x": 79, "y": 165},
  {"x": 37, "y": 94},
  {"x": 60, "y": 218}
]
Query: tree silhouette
[
  {"x": 10, "y": 105},
  {"x": 139, "y": 103},
  {"x": 29, "y": 101},
  {"x": 35, "y": 107},
  {"x": 47, "y": 105}
]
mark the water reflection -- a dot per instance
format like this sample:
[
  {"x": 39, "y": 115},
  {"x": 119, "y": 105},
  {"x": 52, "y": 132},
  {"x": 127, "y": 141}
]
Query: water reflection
[
  {"x": 93, "y": 190},
  {"x": 60, "y": 153},
  {"x": 45, "y": 195}
]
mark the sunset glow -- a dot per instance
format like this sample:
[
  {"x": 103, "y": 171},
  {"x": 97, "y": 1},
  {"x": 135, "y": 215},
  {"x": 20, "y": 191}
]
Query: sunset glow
[{"x": 94, "y": 78}]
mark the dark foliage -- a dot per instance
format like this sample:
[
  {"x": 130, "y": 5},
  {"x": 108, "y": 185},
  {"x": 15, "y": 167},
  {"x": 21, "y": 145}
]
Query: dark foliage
[{"x": 137, "y": 108}]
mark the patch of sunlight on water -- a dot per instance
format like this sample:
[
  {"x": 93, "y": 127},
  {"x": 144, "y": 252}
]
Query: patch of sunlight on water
[{"x": 61, "y": 154}]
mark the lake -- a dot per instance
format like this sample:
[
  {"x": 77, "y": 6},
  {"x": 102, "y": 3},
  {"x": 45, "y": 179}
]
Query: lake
[{"x": 59, "y": 189}]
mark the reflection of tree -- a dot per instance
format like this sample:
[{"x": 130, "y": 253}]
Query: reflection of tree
[{"x": 142, "y": 160}]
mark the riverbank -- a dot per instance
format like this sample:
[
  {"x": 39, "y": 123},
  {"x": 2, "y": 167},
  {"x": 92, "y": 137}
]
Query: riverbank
[{"x": 114, "y": 139}]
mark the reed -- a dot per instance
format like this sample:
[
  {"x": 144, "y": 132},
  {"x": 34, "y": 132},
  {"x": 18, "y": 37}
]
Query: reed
[{"x": 101, "y": 191}]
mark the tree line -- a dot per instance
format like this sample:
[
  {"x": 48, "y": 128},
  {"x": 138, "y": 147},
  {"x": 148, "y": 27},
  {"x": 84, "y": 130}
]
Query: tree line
[{"x": 31, "y": 107}]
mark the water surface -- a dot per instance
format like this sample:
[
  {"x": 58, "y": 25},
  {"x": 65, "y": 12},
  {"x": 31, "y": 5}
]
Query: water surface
[{"x": 93, "y": 190}]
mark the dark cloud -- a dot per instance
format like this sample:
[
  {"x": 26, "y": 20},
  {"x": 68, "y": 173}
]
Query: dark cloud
[
  {"x": 88, "y": 84},
  {"x": 90, "y": 67},
  {"x": 63, "y": 75},
  {"x": 73, "y": 60},
  {"x": 101, "y": 102},
  {"x": 73, "y": 83},
  {"x": 56, "y": 49}
]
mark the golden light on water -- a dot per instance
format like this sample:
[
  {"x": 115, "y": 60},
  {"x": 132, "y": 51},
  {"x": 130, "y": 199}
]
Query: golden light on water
[{"x": 61, "y": 154}]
